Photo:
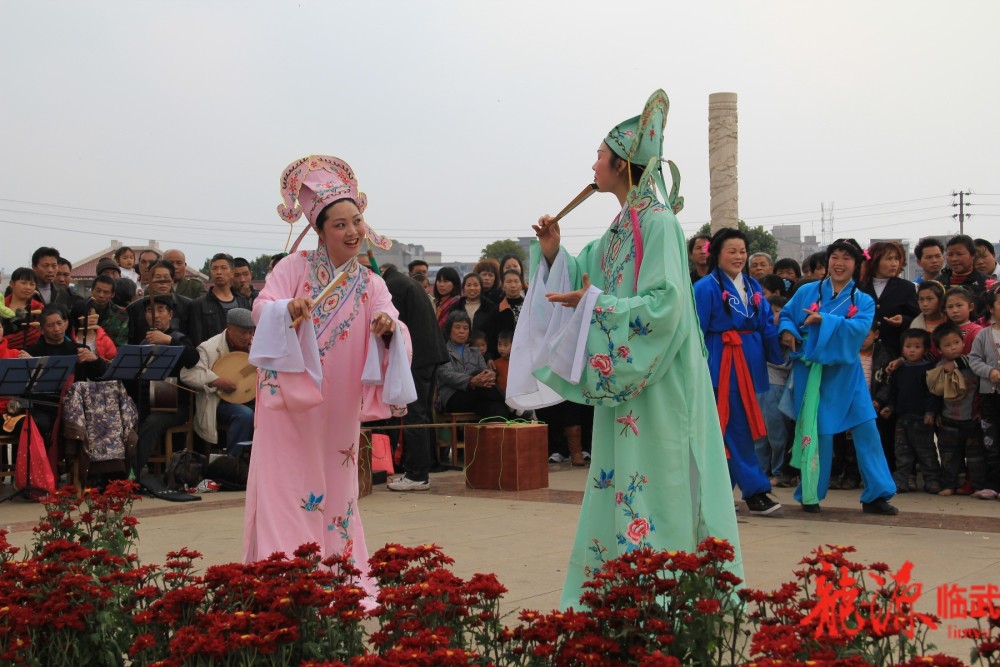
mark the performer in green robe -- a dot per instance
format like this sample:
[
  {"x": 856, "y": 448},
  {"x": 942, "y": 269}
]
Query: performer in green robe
[{"x": 616, "y": 327}]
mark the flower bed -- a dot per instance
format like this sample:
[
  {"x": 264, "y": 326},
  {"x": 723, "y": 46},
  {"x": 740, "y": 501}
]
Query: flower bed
[{"x": 81, "y": 597}]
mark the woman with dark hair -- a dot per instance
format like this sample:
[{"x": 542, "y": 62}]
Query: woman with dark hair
[
  {"x": 446, "y": 293},
  {"x": 26, "y": 309},
  {"x": 513, "y": 263},
  {"x": 331, "y": 353},
  {"x": 508, "y": 310},
  {"x": 479, "y": 309},
  {"x": 489, "y": 273},
  {"x": 741, "y": 338},
  {"x": 895, "y": 299},
  {"x": 895, "y": 307},
  {"x": 824, "y": 325},
  {"x": 465, "y": 384}
]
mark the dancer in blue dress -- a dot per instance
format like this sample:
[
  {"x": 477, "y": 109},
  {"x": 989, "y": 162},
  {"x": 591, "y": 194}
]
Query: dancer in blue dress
[
  {"x": 741, "y": 337},
  {"x": 824, "y": 325}
]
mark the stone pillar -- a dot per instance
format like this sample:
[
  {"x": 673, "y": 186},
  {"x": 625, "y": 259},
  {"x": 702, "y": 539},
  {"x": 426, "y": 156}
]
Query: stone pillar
[{"x": 722, "y": 159}]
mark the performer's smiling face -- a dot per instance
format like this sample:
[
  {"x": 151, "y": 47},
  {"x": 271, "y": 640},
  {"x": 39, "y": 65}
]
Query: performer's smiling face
[
  {"x": 342, "y": 229},
  {"x": 606, "y": 175},
  {"x": 840, "y": 266},
  {"x": 733, "y": 256}
]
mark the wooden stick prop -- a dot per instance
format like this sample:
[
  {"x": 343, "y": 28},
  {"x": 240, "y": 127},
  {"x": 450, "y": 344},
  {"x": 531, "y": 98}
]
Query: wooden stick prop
[
  {"x": 327, "y": 291},
  {"x": 579, "y": 199}
]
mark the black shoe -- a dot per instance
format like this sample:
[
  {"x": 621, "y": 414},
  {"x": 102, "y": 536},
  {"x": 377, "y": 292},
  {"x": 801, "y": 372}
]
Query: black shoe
[
  {"x": 880, "y": 506},
  {"x": 811, "y": 509},
  {"x": 761, "y": 504}
]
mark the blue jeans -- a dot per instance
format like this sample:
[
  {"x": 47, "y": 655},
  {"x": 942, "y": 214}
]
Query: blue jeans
[
  {"x": 770, "y": 449},
  {"x": 237, "y": 419}
]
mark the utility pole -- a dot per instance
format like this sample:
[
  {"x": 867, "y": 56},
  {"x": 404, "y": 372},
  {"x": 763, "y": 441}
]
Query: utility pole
[{"x": 961, "y": 209}]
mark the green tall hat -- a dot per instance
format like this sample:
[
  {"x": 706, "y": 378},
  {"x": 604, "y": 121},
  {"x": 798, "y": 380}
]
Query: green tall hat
[{"x": 639, "y": 140}]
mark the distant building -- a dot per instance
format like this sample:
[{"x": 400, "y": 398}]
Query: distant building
[{"x": 791, "y": 244}]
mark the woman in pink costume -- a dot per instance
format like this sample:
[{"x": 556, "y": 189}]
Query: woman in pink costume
[{"x": 344, "y": 363}]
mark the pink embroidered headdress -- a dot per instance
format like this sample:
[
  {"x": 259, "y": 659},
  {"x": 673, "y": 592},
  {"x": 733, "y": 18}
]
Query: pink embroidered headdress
[{"x": 312, "y": 183}]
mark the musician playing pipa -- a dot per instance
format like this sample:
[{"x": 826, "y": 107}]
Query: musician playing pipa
[{"x": 226, "y": 383}]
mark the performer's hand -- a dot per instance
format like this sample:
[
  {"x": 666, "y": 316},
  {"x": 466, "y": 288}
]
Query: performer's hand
[
  {"x": 224, "y": 385},
  {"x": 300, "y": 307},
  {"x": 382, "y": 324},
  {"x": 895, "y": 320},
  {"x": 571, "y": 299},
  {"x": 548, "y": 237},
  {"x": 157, "y": 338},
  {"x": 788, "y": 340},
  {"x": 84, "y": 355},
  {"x": 812, "y": 318}
]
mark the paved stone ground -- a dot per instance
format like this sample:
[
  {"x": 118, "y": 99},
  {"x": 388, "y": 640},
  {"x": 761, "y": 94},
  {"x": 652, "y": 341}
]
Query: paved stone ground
[{"x": 524, "y": 537}]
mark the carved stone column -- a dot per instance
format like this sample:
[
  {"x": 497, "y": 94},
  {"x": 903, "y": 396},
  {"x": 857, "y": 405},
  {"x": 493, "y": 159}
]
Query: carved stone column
[{"x": 722, "y": 160}]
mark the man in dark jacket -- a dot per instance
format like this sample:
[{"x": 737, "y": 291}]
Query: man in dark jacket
[
  {"x": 429, "y": 352},
  {"x": 208, "y": 312}
]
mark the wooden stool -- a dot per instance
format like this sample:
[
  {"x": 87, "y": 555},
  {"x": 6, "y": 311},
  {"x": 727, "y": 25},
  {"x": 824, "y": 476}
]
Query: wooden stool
[{"x": 457, "y": 419}]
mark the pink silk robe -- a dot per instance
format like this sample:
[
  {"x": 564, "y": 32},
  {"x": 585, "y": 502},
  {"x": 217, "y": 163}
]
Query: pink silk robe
[{"x": 303, "y": 480}]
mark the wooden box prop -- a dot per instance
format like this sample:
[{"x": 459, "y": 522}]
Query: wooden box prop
[{"x": 507, "y": 457}]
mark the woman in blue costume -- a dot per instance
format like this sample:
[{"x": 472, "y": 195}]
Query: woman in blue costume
[
  {"x": 741, "y": 337},
  {"x": 630, "y": 345},
  {"x": 824, "y": 325}
]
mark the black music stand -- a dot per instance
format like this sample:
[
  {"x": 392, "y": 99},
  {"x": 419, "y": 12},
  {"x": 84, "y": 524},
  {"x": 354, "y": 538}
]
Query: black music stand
[
  {"x": 28, "y": 377},
  {"x": 147, "y": 363}
]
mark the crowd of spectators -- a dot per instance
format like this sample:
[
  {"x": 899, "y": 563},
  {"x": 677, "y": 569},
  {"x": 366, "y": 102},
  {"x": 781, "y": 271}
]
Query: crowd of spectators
[{"x": 929, "y": 357}]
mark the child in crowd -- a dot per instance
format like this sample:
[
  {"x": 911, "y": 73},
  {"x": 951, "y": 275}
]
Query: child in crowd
[
  {"x": 771, "y": 448},
  {"x": 776, "y": 285},
  {"x": 504, "y": 341},
  {"x": 915, "y": 407},
  {"x": 959, "y": 439},
  {"x": 125, "y": 257},
  {"x": 985, "y": 362},
  {"x": 930, "y": 300},
  {"x": 477, "y": 339},
  {"x": 959, "y": 304}
]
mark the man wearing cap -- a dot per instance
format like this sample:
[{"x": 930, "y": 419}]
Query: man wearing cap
[
  {"x": 189, "y": 287},
  {"x": 210, "y": 411}
]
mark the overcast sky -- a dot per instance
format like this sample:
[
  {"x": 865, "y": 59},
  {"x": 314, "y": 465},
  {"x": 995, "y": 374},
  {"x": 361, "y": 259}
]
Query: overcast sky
[{"x": 467, "y": 120}]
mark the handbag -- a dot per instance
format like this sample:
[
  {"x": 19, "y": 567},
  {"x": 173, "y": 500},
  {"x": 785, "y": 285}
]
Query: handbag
[{"x": 382, "y": 454}]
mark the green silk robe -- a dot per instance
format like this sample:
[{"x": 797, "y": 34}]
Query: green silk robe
[{"x": 658, "y": 474}]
